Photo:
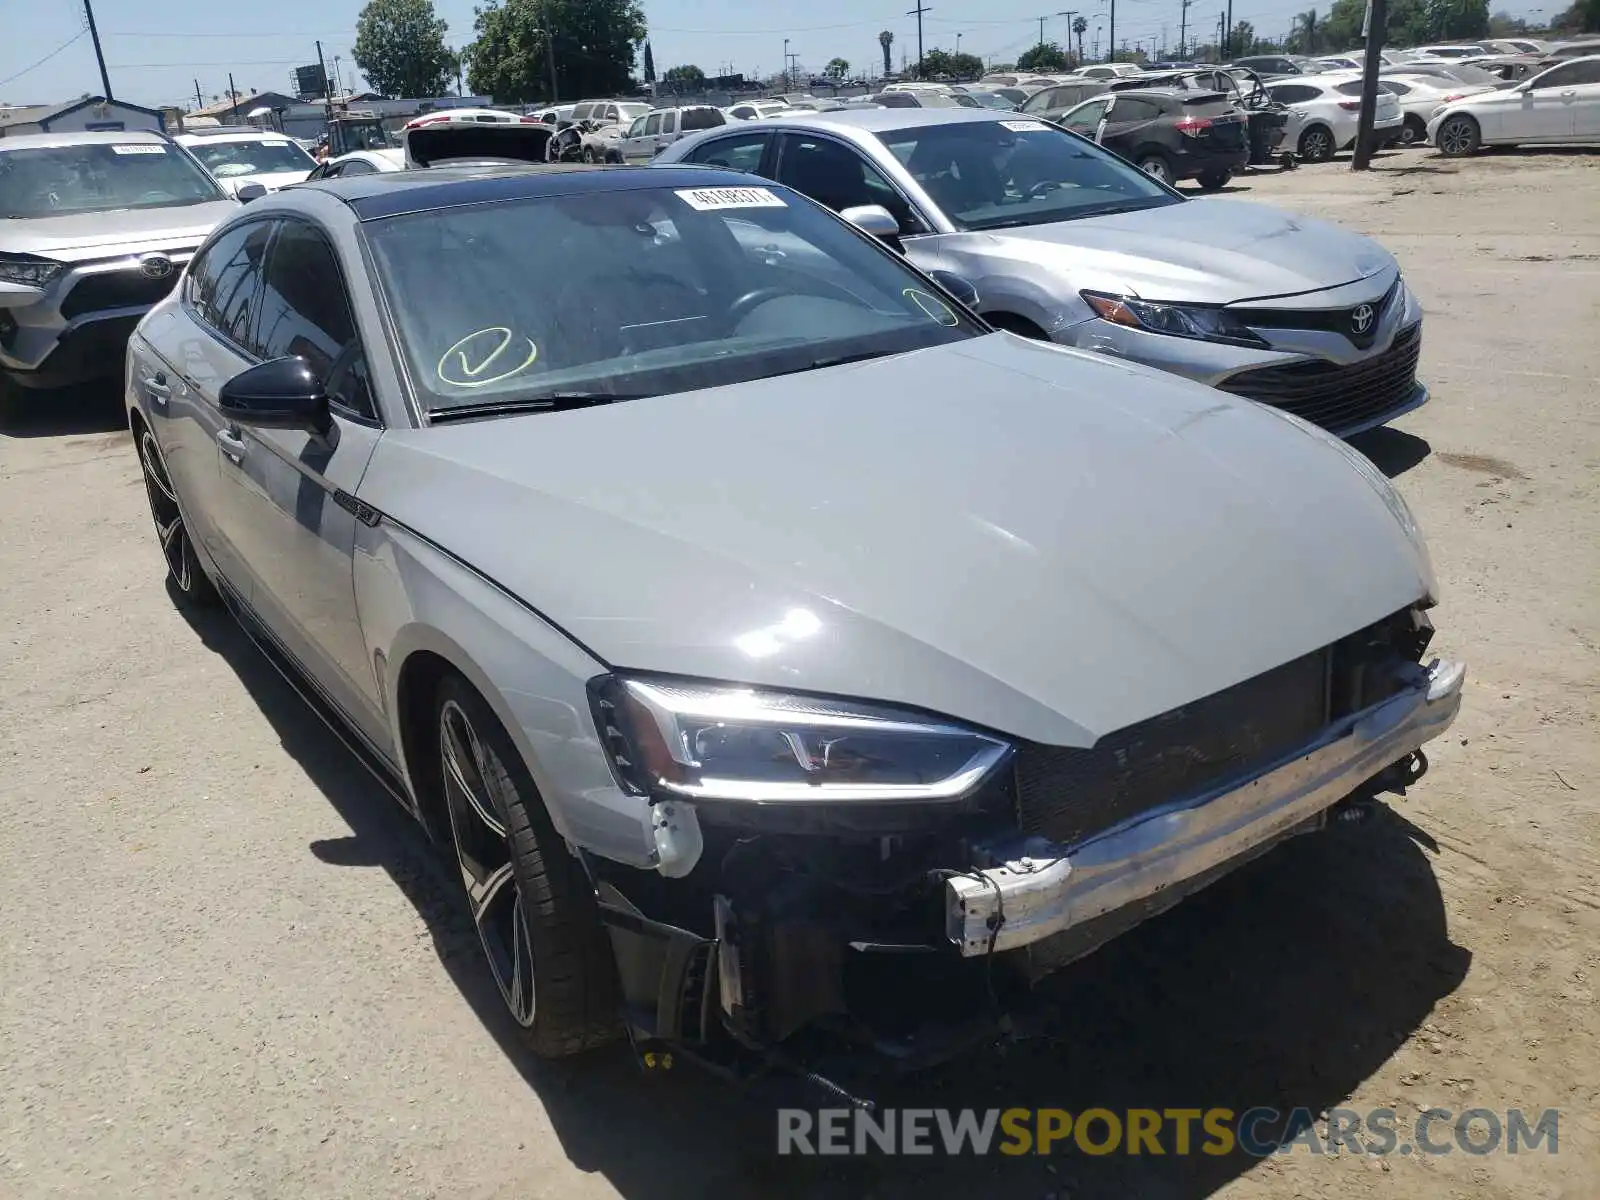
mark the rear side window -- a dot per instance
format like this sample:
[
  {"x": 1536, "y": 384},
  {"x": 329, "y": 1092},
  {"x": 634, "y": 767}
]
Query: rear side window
[
  {"x": 1352, "y": 88},
  {"x": 739, "y": 153},
  {"x": 305, "y": 312},
  {"x": 1294, "y": 93},
  {"x": 225, "y": 280},
  {"x": 1134, "y": 108},
  {"x": 702, "y": 118}
]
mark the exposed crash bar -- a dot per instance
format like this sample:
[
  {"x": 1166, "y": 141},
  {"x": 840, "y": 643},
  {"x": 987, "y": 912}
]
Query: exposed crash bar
[{"x": 1042, "y": 889}]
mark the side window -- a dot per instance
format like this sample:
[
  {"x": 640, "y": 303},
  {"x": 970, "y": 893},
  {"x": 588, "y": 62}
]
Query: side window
[
  {"x": 702, "y": 118},
  {"x": 225, "y": 283},
  {"x": 669, "y": 122},
  {"x": 1395, "y": 86},
  {"x": 305, "y": 312},
  {"x": 637, "y": 128},
  {"x": 1561, "y": 77},
  {"x": 1039, "y": 101},
  {"x": 1134, "y": 108},
  {"x": 652, "y": 124},
  {"x": 1086, "y": 118},
  {"x": 837, "y": 176},
  {"x": 582, "y": 112},
  {"x": 742, "y": 152},
  {"x": 610, "y": 117},
  {"x": 1294, "y": 93},
  {"x": 358, "y": 166}
]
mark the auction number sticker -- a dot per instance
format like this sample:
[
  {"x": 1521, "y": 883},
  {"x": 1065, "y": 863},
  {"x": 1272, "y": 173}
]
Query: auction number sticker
[
  {"x": 1023, "y": 126},
  {"x": 137, "y": 148},
  {"x": 713, "y": 199}
]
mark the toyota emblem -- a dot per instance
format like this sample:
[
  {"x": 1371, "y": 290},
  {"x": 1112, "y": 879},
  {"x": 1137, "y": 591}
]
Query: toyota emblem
[
  {"x": 155, "y": 266},
  {"x": 1361, "y": 318}
]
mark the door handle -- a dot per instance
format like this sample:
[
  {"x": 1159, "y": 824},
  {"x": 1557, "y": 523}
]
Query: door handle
[
  {"x": 232, "y": 444},
  {"x": 158, "y": 389},
  {"x": 1568, "y": 95}
]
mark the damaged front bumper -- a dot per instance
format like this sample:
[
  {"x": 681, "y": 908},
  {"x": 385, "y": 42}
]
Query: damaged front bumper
[{"x": 1040, "y": 889}]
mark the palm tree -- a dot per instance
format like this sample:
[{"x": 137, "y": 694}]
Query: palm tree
[
  {"x": 886, "y": 39},
  {"x": 1310, "y": 31},
  {"x": 1080, "y": 26}
]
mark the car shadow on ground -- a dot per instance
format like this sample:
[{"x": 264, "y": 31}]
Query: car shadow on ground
[
  {"x": 1392, "y": 451},
  {"x": 1285, "y": 985},
  {"x": 89, "y": 408}
]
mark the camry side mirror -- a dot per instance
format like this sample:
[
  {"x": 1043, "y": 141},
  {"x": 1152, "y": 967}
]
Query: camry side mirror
[
  {"x": 958, "y": 286},
  {"x": 872, "y": 219},
  {"x": 250, "y": 191},
  {"x": 284, "y": 393}
]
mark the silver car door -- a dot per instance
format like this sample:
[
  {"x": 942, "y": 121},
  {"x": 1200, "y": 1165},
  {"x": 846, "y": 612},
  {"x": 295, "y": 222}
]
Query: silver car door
[
  {"x": 202, "y": 345},
  {"x": 297, "y": 522}
]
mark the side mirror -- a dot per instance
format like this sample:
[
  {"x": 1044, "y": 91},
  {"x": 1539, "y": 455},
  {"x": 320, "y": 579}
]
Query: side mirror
[
  {"x": 872, "y": 219},
  {"x": 282, "y": 394},
  {"x": 250, "y": 191},
  {"x": 958, "y": 286}
]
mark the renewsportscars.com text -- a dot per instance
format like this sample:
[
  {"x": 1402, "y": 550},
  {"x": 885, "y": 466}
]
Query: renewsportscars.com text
[{"x": 1176, "y": 1131}]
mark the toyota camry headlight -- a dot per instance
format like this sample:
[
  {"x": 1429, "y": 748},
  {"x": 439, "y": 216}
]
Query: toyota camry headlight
[
  {"x": 1176, "y": 320},
  {"x": 28, "y": 270},
  {"x": 723, "y": 742}
]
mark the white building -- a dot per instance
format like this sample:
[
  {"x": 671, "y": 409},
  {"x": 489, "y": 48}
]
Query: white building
[{"x": 92, "y": 113}]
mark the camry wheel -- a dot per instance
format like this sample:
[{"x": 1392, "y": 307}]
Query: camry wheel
[
  {"x": 529, "y": 900},
  {"x": 1413, "y": 131},
  {"x": 1156, "y": 167},
  {"x": 1458, "y": 135},
  {"x": 188, "y": 577},
  {"x": 1316, "y": 144}
]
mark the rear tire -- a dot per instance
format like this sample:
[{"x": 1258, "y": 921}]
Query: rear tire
[
  {"x": 1458, "y": 136},
  {"x": 1156, "y": 166},
  {"x": 1316, "y": 144},
  {"x": 1413, "y": 131},
  {"x": 10, "y": 400},
  {"x": 529, "y": 899},
  {"x": 591, "y": 155},
  {"x": 1212, "y": 180}
]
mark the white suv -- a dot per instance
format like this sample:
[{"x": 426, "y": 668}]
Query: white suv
[
  {"x": 1325, "y": 113},
  {"x": 237, "y": 156}
]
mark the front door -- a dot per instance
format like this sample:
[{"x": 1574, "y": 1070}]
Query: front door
[
  {"x": 641, "y": 143},
  {"x": 1546, "y": 111},
  {"x": 295, "y": 524}
]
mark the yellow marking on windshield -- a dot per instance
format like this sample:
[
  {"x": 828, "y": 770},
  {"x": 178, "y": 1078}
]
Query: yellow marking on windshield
[
  {"x": 463, "y": 373},
  {"x": 934, "y": 307}
]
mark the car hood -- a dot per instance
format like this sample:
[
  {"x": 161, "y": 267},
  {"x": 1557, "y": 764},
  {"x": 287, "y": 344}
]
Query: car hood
[
  {"x": 271, "y": 180},
  {"x": 1201, "y": 251},
  {"x": 89, "y": 235},
  {"x": 1045, "y": 542}
]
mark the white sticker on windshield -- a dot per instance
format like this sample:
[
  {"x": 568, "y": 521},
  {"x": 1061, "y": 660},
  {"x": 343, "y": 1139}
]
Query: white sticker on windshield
[
  {"x": 273, "y": 142},
  {"x": 1024, "y": 126},
  {"x": 712, "y": 199},
  {"x": 138, "y": 148}
]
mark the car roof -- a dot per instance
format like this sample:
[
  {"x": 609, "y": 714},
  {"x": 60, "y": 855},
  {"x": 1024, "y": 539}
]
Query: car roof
[
  {"x": 24, "y": 141},
  {"x": 874, "y": 120},
  {"x": 374, "y": 197}
]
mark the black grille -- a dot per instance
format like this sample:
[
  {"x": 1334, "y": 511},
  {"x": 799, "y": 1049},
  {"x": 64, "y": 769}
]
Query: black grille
[
  {"x": 1334, "y": 396},
  {"x": 1335, "y": 320},
  {"x": 1066, "y": 794},
  {"x": 115, "y": 289}
]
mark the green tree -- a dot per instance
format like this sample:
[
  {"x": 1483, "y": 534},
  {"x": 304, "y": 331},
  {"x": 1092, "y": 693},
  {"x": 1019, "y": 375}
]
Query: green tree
[
  {"x": 1080, "y": 26},
  {"x": 1046, "y": 56},
  {"x": 1243, "y": 40},
  {"x": 1308, "y": 32},
  {"x": 595, "y": 43},
  {"x": 649, "y": 64},
  {"x": 941, "y": 64},
  {"x": 885, "y": 40},
  {"x": 400, "y": 48},
  {"x": 687, "y": 78},
  {"x": 1455, "y": 20},
  {"x": 836, "y": 69},
  {"x": 1582, "y": 17}
]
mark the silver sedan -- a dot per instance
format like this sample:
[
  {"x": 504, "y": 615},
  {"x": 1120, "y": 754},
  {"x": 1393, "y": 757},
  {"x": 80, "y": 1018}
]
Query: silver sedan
[{"x": 1066, "y": 241}]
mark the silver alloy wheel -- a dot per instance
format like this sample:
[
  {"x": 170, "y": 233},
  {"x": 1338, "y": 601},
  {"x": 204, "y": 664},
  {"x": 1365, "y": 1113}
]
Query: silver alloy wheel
[
  {"x": 1409, "y": 135},
  {"x": 474, "y": 788},
  {"x": 1455, "y": 136},
  {"x": 1316, "y": 145},
  {"x": 164, "y": 510},
  {"x": 1156, "y": 168}
]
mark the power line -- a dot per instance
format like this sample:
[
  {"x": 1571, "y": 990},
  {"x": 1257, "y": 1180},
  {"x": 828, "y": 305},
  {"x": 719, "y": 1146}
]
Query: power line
[
  {"x": 229, "y": 62},
  {"x": 82, "y": 33}
]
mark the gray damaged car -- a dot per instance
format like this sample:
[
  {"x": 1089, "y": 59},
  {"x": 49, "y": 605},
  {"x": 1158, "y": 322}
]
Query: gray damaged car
[
  {"x": 1067, "y": 242},
  {"x": 791, "y": 664},
  {"x": 94, "y": 229}
]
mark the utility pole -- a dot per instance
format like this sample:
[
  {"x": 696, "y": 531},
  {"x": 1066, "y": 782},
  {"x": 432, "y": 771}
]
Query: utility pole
[
  {"x": 233, "y": 98},
  {"x": 788, "y": 84},
  {"x": 1183, "y": 25},
  {"x": 328, "y": 97},
  {"x": 1226, "y": 45},
  {"x": 99, "y": 55},
  {"x": 917, "y": 13},
  {"x": 550, "y": 41},
  {"x": 1069, "y": 14},
  {"x": 1111, "y": 34},
  {"x": 199, "y": 101},
  {"x": 1377, "y": 27}
]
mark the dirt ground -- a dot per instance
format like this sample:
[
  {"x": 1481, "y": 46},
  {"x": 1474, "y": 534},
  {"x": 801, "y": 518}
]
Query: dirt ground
[{"x": 230, "y": 967}]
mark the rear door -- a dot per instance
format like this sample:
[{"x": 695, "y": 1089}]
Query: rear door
[
  {"x": 633, "y": 141},
  {"x": 1128, "y": 123},
  {"x": 1586, "y": 100}
]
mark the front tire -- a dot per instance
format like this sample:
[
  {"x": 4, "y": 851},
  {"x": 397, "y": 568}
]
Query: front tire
[
  {"x": 1413, "y": 131},
  {"x": 190, "y": 583},
  {"x": 1157, "y": 167},
  {"x": 591, "y": 155},
  {"x": 1214, "y": 179},
  {"x": 530, "y": 901},
  {"x": 1459, "y": 136},
  {"x": 1316, "y": 144}
]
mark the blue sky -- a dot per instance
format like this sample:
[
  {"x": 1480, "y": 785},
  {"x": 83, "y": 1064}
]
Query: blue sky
[{"x": 156, "y": 50}]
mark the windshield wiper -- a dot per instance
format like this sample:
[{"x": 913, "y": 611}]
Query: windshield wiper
[
  {"x": 548, "y": 402},
  {"x": 836, "y": 360}
]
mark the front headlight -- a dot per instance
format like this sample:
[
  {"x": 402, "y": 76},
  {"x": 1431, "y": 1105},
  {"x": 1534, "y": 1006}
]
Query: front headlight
[
  {"x": 724, "y": 742},
  {"x": 28, "y": 270},
  {"x": 1176, "y": 320}
]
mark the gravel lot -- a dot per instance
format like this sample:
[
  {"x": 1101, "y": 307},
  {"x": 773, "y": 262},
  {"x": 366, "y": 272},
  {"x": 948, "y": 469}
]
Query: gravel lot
[{"x": 230, "y": 967}]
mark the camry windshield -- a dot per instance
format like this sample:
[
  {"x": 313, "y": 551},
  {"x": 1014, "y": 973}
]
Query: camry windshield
[
  {"x": 254, "y": 157},
  {"x": 595, "y": 296},
  {"x": 998, "y": 174},
  {"x": 99, "y": 177}
]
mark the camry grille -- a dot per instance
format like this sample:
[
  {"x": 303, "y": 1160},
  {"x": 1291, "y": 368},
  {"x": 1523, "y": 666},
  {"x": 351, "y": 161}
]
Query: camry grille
[{"x": 1338, "y": 396}]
